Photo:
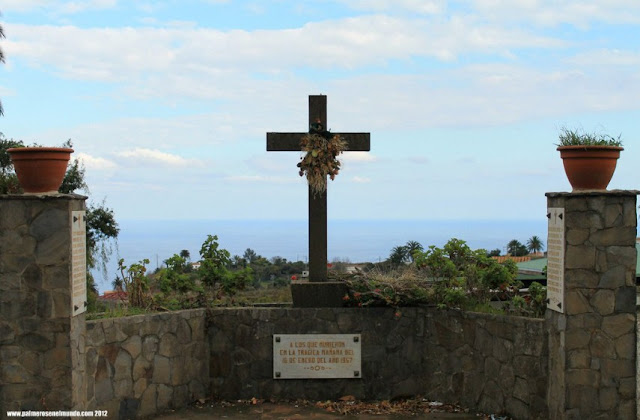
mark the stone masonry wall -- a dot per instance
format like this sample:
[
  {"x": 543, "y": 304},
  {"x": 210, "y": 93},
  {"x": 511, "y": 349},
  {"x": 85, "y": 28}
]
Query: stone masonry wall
[
  {"x": 141, "y": 365},
  {"x": 38, "y": 369},
  {"x": 592, "y": 355},
  {"x": 485, "y": 362}
]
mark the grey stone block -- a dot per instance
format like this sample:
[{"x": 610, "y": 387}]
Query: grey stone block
[
  {"x": 625, "y": 299},
  {"x": 318, "y": 295}
]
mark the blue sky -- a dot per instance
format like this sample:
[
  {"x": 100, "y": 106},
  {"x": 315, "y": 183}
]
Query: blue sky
[{"x": 168, "y": 101}]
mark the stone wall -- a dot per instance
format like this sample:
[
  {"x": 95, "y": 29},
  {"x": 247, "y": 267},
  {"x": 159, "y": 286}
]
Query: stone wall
[
  {"x": 38, "y": 369},
  {"x": 141, "y": 365},
  {"x": 592, "y": 355},
  {"x": 485, "y": 362}
]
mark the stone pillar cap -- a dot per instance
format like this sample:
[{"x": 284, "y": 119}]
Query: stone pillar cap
[{"x": 622, "y": 193}]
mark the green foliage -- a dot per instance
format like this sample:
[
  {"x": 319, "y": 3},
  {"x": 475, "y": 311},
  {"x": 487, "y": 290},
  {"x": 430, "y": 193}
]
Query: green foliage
[
  {"x": 453, "y": 276},
  {"x": 455, "y": 298},
  {"x": 404, "y": 254},
  {"x": 172, "y": 281},
  {"x": 538, "y": 299},
  {"x": 74, "y": 178},
  {"x": 250, "y": 256},
  {"x": 8, "y": 179},
  {"x": 494, "y": 253},
  {"x": 102, "y": 230},
  {"x": 177, "y": 263},
  {"x": 6, "y": 166},
  {"x": 136, "y": 283},
  {"x": 532, "y": 304},
  {"x": 577, "y": 137},
  {"x": 282, "y": 282},
  {"x": 213, "y": 267},
  {"x": 234, "y": 281},
  {"x": 412, "y": 247},
  {"x": 399, "y": 255},
  {"x": 516, "y": 249}
]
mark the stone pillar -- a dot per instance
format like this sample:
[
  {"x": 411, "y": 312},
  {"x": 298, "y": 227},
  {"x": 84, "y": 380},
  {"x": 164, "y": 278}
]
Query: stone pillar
[
  {"x": 41, "y": 343},
  {"x": 592, "y": 345}
]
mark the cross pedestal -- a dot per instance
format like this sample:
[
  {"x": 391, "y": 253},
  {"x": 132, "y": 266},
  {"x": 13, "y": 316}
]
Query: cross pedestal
[{"x": 318, "y": 292}]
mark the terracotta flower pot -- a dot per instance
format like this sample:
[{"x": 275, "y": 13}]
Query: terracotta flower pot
[
  {"x": 40, "y": 170},
  {"x": 589, "y": 167}
]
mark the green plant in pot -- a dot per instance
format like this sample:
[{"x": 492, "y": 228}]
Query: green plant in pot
[
  {"x": 589, "y": 159},
  {"x": 40, "y": 170}
]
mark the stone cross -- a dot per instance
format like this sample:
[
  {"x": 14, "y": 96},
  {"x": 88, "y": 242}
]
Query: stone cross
[{"x": 290, "y": 142}]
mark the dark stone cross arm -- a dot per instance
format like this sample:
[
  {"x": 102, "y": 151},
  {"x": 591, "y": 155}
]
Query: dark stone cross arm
[{"x": 290, "y": 142}]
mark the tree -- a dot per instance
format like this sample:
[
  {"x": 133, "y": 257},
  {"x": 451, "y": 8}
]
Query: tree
[
  {"x": 399, "y": 255},
  {"x": 278, "y": 260},
  {"x": 412, "y": 248},
  {"x": 516, "y": 249},
  {"x": 535, "y": 244},
  {"x": 214, "y": 271},
  {"x": 102, "y": 228},
  {"x": 215, "y": 260},
  {"x": 136, "y": 283},
  {"x": 175, "y": 277},
  {"x": 494, "y": 253},
  {"x": 185, "y": 254},
  {"x": 237, "y": 261},
  {"x": 250, "y": 255},
  {"x": 8, "y": 179},
  {"x": 176, "y": 263}
]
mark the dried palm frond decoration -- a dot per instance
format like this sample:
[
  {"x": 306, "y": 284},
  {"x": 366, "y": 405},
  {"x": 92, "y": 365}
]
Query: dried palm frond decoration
[{"x": 321, "y": 159}]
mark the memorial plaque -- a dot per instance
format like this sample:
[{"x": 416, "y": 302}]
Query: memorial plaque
[
  {"x": 317, "y": 356},
  {"x": 78, "y": 262},
  {"x": 555, "y": 260}
]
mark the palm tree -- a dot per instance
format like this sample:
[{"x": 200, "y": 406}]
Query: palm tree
[
  {"x": 399, "y": 255},
  {"x": 413, "y": 246},
  {"x": 534, "y": 244},
  {"x": 516, "y": 249}
]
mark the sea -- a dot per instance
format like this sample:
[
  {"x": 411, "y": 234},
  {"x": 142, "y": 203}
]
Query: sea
[{"x": 348, "y": 240}]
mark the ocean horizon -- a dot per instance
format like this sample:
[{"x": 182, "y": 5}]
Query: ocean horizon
[{"x": 352, "y": 240}]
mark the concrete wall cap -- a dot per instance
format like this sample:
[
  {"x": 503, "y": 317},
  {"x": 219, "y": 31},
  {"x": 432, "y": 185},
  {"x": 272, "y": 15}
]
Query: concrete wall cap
[{"x": 33, "y": 197}]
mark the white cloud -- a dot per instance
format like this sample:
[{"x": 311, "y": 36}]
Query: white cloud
[
  {"x": 155, "y": 157},
  {"x": 361, "y": 180},
  {"x": 554, "y": 12},
  {"x": 262, "y": 179},
  {"x": 95, "y": 163},
  {"x": 23, "y": 5},
  {"x": 482, "y": 94},
  {"x": 184, "y": 55},
  {"x": 56, "y": 7},
  {"x": 73, "y": 7},
  {"x": 605, "y": 58},
  {"x": 358, "y": 157},
  {"x": 417, "y": 6}
]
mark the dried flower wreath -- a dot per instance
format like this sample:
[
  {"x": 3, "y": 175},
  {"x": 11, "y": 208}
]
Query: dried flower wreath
[{"x": 321, "y": 159}]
